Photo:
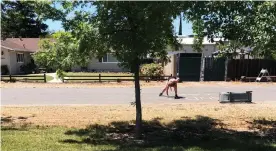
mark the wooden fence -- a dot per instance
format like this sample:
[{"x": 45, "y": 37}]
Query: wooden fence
[
  {"x": 249, "y": 68},
  {"x": 14, "y": 78},
  {"x": 104, "y": 78}
]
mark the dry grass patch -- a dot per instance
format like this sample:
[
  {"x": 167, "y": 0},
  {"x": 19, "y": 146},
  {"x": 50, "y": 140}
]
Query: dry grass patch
[
  {"x": 191, "y": 127},
  {"x": 233, "y": 116}
]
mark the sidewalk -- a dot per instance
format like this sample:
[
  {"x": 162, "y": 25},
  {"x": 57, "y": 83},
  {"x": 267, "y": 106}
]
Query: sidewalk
[{"x": 55, "y": 80}]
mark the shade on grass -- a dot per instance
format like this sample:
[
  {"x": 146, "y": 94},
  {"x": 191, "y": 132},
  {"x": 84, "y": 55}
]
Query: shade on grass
[{"x": 200, "y": 134}]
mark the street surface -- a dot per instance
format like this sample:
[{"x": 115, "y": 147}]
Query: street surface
[{"x": 100, "y": 95}]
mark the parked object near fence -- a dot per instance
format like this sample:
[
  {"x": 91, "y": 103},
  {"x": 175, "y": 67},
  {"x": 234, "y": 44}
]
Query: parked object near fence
[
  {"x": 24, "y": 78},
  {"x": 230, "y": 97},
  {"x": 263, "y": 75}
]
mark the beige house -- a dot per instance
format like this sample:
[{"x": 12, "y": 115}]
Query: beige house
[
  {"x": 187, "y": 42},
  {"x": 108, "y": 63},
  {"x": 186, "y": 47},
  {"x": 16, "y": 52}
]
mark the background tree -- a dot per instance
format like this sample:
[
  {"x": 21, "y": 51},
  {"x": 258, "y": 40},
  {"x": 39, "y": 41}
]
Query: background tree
[
  {"x": 25, "y": 18},
  {"x": 198, "y": 28},
  {"x": 60, "y": 52},
  {"x": 229, "y": 49},
  {"x": 250, "y": 23}
]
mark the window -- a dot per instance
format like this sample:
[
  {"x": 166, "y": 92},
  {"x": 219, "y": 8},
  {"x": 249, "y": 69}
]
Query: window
[
  {"x": 206, "y": 49},
  {"x": 2, "y": 55},
  {"x": 109, "y": 59},
  {"x": 20, "y": 57}
]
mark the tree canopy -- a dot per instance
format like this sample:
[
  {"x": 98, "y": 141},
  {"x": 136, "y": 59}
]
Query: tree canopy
[
  {"x": 60, "y": 51},
  {"x": 25, "y": 18},
  {"x": 251, "y": 23}
]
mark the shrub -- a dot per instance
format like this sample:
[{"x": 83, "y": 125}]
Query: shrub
[
  {"x": 13, "y": 80},
  {"x": 28, "y": 68},
  {"x": 60, "y": 74},
  {"x": 152, "y": 69},
  {"x": 4, "y": 70}
]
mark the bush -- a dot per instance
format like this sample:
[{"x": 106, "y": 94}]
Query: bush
[
  {"x": 13, "y": 80},
  {"x": 4, "y": 70},
  {"x": 60, "y": 74},
  {"x": 152, "y": 69},
  {"x": 28, "y": 68}
]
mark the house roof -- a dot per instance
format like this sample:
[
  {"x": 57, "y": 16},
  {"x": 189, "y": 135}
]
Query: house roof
[
  {"x": 21, "y": 44},
  {"x": 190, "y": 40}
]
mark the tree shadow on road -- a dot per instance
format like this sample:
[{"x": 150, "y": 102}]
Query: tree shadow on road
[{"x": 202, "y": 133}]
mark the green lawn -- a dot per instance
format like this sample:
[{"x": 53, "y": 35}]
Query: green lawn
[
  {"x": 96, "y": 74},
  {"x": 32, "y": 79},
  {"x": 49, "y": 78},
  {"x": 189, "y": 135}
]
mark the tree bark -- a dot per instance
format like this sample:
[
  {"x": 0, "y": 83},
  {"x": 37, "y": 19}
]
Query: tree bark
[{"x": 138, "y": 127}]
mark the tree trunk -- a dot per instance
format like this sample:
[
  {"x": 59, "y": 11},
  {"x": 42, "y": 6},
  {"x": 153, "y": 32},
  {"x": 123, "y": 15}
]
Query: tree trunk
[{"x": 138, "y": 128}]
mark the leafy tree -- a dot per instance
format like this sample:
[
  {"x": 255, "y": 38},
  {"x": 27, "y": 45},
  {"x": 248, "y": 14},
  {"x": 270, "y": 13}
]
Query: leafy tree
[
  {"x": 25, "y": 18},
  {"x": 129, "y": 30},
  {"x": 133, "y": 30},
  {"x": 198, "y": 27},
  {"x": 229, "y": 49},
  {"x": 251, "y": 23},
  {"x": 60, "y": 52}
]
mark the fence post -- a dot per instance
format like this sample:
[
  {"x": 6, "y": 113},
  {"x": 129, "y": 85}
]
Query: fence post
[
  {"x": 202, "y": 67},
  {"x": 100, "y": 78},
  {"x": 44, "y": 75},
  {"x": 225, "y": 69},
  {"x": 10, "y": 78}
]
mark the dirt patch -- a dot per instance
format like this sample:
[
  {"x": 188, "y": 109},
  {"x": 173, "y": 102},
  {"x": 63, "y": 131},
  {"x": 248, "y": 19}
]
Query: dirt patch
[
  {"x": 234, "y": 116},
  {"x": 126, "y": 84}
]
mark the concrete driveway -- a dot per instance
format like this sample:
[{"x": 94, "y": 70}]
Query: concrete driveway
[{"x": 100, "y": 95}]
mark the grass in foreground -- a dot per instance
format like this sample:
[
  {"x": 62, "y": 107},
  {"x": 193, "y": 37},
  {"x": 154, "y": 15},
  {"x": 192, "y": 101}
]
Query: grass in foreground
[{"x": 199, "y": 134}]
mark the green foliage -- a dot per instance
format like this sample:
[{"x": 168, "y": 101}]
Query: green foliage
[
  {"x": 250, "y": 23},
  {"x": 25, "y": 18},
  {"x": 4, "y": 70},
  {"x": 46, "y": 57},
  {"x": 134, "y": 29},
  {"x": 229, "y": 49},
  {"x": 60, "y": 52},
  {"x": 152, "y": 69},
  {"x": 130, "y": 43},
  {"x": 29, "y": 67},
  {"x": 198, "y": 28},
  {"x": 60, "y": 73}
]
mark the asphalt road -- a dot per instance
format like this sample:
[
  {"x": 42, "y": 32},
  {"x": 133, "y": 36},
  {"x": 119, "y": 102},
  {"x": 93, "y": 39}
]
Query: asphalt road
[{"x": 67, "y": 96}]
